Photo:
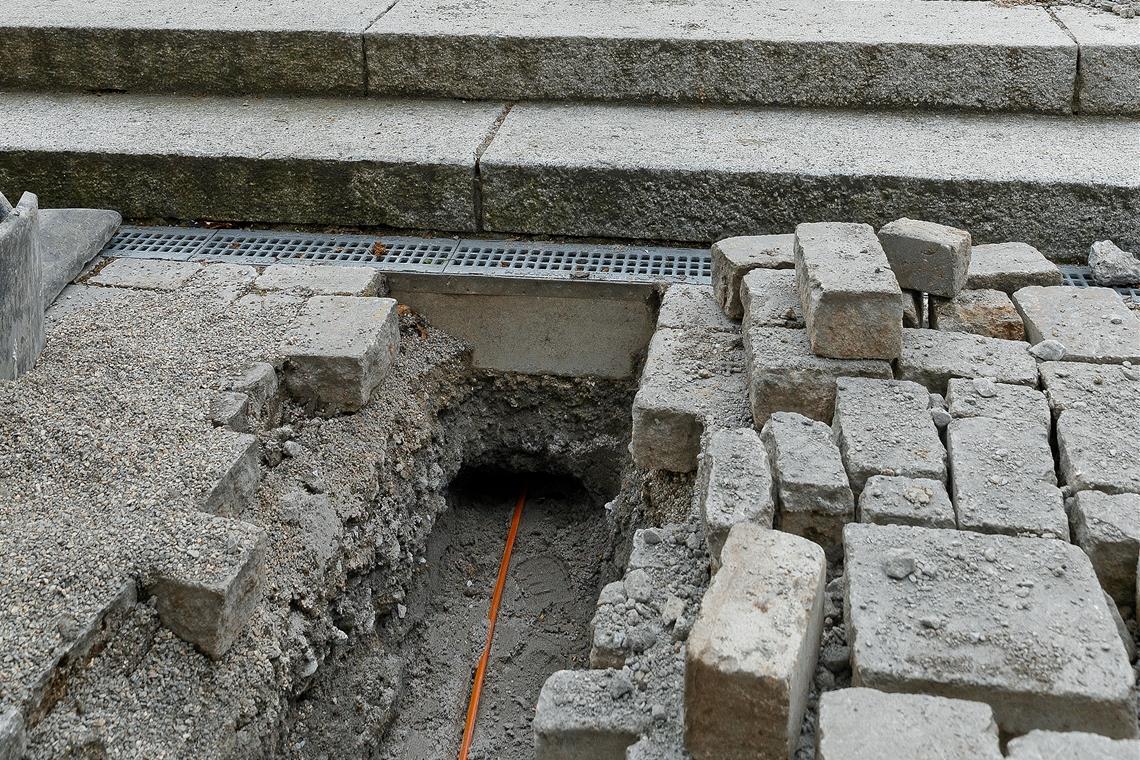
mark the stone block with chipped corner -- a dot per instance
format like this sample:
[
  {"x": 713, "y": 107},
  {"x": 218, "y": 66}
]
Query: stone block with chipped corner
[{"x": 733, "y": 258}]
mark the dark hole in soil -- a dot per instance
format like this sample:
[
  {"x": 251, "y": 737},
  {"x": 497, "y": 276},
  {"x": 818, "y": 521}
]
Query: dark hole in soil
[{"x": 543, "y": 626}]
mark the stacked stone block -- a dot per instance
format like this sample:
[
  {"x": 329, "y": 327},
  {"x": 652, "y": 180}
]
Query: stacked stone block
[
  {"x": 21, "y": 287},
  {"x": 927, "y": 257},
  {"x": 733, "y": 258},
  {"x": 734, "y": 485}
]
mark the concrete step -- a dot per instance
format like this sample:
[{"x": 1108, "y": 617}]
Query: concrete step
[
  {"x": 628, "y": 172},
  {"x": 944, "y": 54}
]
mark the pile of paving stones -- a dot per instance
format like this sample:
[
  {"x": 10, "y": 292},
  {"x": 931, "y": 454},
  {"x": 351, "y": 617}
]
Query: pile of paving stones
[{"x": 934, "y": 491}]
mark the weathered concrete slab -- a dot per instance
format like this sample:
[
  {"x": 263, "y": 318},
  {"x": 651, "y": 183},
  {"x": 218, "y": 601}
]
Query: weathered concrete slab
[
  {"x": 693, "y": 381},
  {"x": 735, "y": 257},
  {"x": 169, "y": 46},
  {"x": 1109, "y": 79},
  {"x": 734, "y": 485},
  {"x": 69, "y": 239},
  {"x": 895, "y": 500},
  {"x": 770, "y": 299},
  {"x": 322, "y": 280},
  {"x": 954, "y": 612},
  {"x": 1055, "y": 183},
  {"x": 21, "y": 288},
  {"x": 752, "y": 651},
  {"x": 1071, "y": 745},
  {"x": 1008, "y": 267},
  {"x": 339, "y": 349},
  {"x": 981, "y": 312},
  {"x": 926, "y": 256},
  {"x": 933, "y": 357},
  {"x": 1108, "y": 529},
  {"x": 1093, "y": 324},
  {"x": 799, "y": 53},
  {"x": 693, "y": 307},
  {"x": 851, "y": 300},
  {"x": 785, "y": 376},
  {"x": 864, "y": 724},
  {"x": 587, "y": 714},
  {"x": 146, "y": 274},
  {"x": 378, "y": 162},
  {"x": 815, "y": 496},
  {"x": 884, "y": 427}
]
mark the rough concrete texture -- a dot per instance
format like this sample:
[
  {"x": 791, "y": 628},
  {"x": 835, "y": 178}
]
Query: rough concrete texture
[
  {"x": 404, "y": 163},
  {"x": 864, "y": 724},
  {"x": 1003, "y": 478},
  {"x": 785, "y": 376},
  {"x": 815, "y": 496},
  {"x": 884, "y": 427},
  {"x": 1017, "y": 623},
  {"x": 225, "y": 282},
  {"x": 145, "y": 274},
  {"x": 850, "y": 298},
  {"x": 693, "y": 307},
  {"x": 895, "y": 500},
  {"x": 1075, "y": 745},
  {"x": 770, "y": 299},
  {"x": 927, "y": 257},
  {"x": 1000, "y": 401},
  {"x": 1008, "y": 267},
  {"x": 1093, "y": 324},
  {"x": 69, "y": 239},
  {"x": 1097, "y": 450},
  {"x": 759, "y": 171},
  {"x": 1111, "y": 266},
  {"x": 734, "y": 485},
  {"x": 723, "y": 52},
  {"x": 1109, "y": 72},
  {"x": 933, "y": 357},
  {"x": 322, "y": 280},
  {"x": 693, "y": 382},
  {"x": 981, "y": 312},
  {"x": 586, "y": 714},
  {"x": 21, "y": 288},
  {"x": 1108, "y": 529},
  {"x": 752, "y": 651},
  {"x": 339, "y": 349},
  {"x": 735, "y": 257}
]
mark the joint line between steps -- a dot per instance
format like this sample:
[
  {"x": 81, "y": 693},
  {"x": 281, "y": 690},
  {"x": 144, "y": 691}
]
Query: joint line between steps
[
  {"x": 364, "y": 46},
  {"x": 1075, "y": 106},
  {"x": 477, "y": 176}
]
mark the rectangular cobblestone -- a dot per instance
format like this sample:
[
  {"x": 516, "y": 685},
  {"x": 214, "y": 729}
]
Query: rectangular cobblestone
[
  {"x": 1093, "y": 324},
  {"x": 1108, "y": 529},
  {"x": 1098, "y": 451},
  {"x": 322, "y": 280},
  {"x": 1071, "y": 745},
  {"x": 734, "y": 485},
  {"x": 927, "y": 257},
  {"x": 735, "y": 257},
  {"x": 980, "y": 312},
  {"x": 1008, "y": 267},
  {"x": 770, "y": 299},
  {"x": 586, "y": 715},
  {"x": 891, "y": 500},
  {"x": 693, "y": 307},
  {"x": 981, "y": 397},
  {"x": 932, "y": 357}
]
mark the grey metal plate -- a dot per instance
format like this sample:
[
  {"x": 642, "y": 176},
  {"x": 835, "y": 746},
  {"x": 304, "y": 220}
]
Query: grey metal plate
[{"x": 569, "y": 261}]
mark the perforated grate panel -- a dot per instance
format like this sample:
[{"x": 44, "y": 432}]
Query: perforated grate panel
[
  {"x": 493, "y": 257},
  {"x": 1081, "y": 277},
  {"x": 175, "y": 243}
]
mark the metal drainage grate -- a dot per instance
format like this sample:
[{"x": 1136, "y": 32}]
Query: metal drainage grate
[
  {"x": 1081, "y": 277},
  {"x": 176, "y": 243},
  {"x": 493, "y": 257}
]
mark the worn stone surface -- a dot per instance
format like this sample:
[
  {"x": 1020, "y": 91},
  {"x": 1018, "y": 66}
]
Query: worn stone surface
[
  {"x": 884, "y": 427},
  {"x": 982, "y": 312},
  {"x": 324, "y": 280},
  {"x": 770, "y": 299},
  {"x": 1112, "y": 266},
  {"x": 927, "y": 257},
  {"x": 734, "y": 485},
  {"x": 895, "y": 500},
  {"x": 693, "y": 381},
  {"x": 236, "y": 479},
  {"x": 1109, "y": 71},
  {"x": 69, "y": 239},
  {"x": 586, "y": 714},
  {"x": 339, "y": 349},
  {"x": 693, "y": 307},
  {"x": 1071, "y": 745},
  {"x": 145, "y": 274},
  {"x": 1084, "y": 387},
  {"x": 814, "y": 494},
  {"x": 1003, "y": 478},
  {"x": 852, "y": 303},
  {"x": 932, "y": 357},
  {"x": 1017, "y": 623},
  {"x": 1093, "y": 324},
  {"x": 21, "y": 286},
  {"x": 1108, "y": 529},
  {"x": 785, "y": 376},
  {"x": 752, "y": 651},
  {"x": 13, "y": 738},
  {"x": 864, "y": 724},
  {"x": 982, "y": 397},
  {"x": 1008, "y": 267},
  {"x": 735, "y": 257},
  {"x": 1097, "y": 450}
]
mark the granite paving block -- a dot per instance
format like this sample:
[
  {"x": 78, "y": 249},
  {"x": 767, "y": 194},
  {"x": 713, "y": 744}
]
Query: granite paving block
[
  {"x": 933, "y": 357},
  {"x": 884, "y": 427},
  {"x": 69, "y": 239},
  {"x": 235, "y": 482},
  {"x": 981, "y": 312},
  {"x": 1093, "y": 324},
  {"x": 1017, "y": 623},
  {"x": 1109, "y": 72},
  {"x": 927, "y": 257},
  {"x": 1008, "y": 267},
  {"x": 864, "y": 724},
  {"x": 587, "y": 715},
  {"x": 815, "y": 499},
  {"x": 982, "y": 397},
  {"x": 752, "y": 652},
  {"x": 1091, "y": 387},
  {"x": 1056, "y": 183},
  {"x": 693, "y": 307},
  {"x": 1097, "y": 450},
  {"x": 770, "y": 299},
  {"x": 21, "y": 288},
  {"x": 1112, "y": 266},
  {"x": 894, "y": 500},
  {"x": 145, "y": 274},
  {"x": 734, "y": 485},
  {"x": 735, "y": 257},
  {"x": 1108, "y": 529},
  {"x": 323, "y": 280},
  {"x": 1071, "y": 745},
  {"x": 851, "y": 300},
  {"x": 223, "y": 282}
]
